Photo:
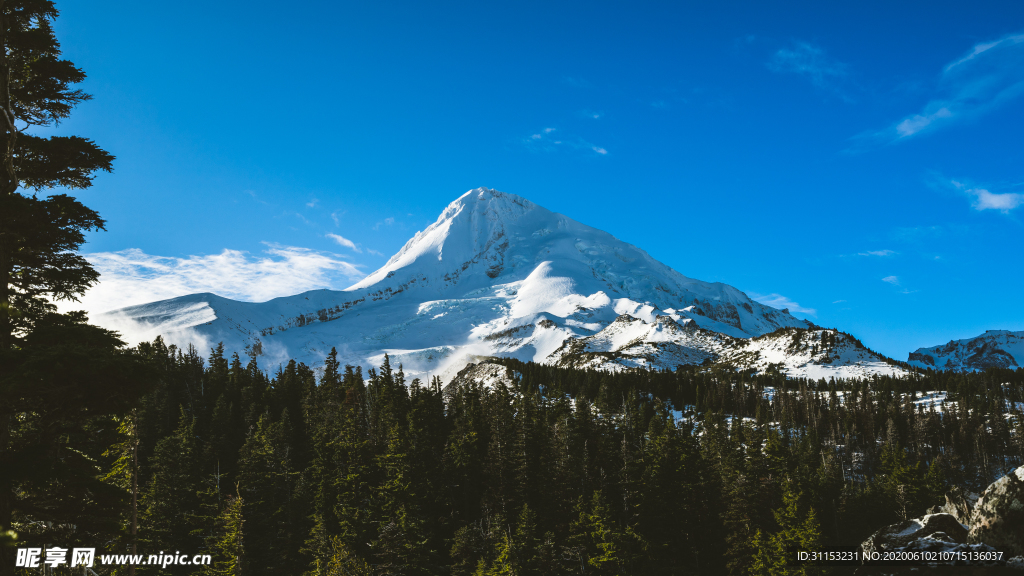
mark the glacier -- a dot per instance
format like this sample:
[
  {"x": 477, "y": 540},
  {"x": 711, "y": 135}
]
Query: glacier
[{"x": 497, "y": 275}]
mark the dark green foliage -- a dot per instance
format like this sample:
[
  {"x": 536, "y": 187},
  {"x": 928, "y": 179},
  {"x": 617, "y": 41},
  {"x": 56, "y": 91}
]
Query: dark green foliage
[
  {"x": 59, "y": 388},
  {"x": 60, "y": 379},
  {"x": 340, "y": 474}
]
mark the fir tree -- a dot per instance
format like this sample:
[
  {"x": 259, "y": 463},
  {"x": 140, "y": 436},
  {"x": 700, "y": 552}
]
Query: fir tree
[{"x": 798, "y": 529}]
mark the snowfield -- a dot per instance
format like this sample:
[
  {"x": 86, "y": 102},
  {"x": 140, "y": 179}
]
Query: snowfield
[
  {"x": 993, "y": 349},
  {"x": 497, "y": 275}
]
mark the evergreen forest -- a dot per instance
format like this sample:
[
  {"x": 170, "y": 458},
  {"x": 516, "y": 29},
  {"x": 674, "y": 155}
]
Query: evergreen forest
[
  {"x": 338, "y": 470},
  {"x": 557, "y": 471}
]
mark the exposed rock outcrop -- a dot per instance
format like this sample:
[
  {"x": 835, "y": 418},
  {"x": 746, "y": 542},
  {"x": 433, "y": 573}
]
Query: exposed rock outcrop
[
  {"x": 998, "y": 518},
  {"x": 934, "y": 531},
  {"x": 960, "y": 504}
]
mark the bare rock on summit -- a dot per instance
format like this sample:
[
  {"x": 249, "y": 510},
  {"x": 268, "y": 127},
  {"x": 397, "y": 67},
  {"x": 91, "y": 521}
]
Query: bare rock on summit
[
  {"x": 485, "y": 374},
  {"x": 998, "y": 518}
]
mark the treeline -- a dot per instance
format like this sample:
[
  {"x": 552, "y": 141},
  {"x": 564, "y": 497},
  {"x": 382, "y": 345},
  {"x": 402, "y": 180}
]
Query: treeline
[
  {"x": 354, "y": 473},
  {"x": 561, "y": 472}
]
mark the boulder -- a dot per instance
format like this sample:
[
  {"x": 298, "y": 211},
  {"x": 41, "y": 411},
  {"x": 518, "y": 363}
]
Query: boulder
[
  {"x": 998, "y": 518},
  {"x": 960, "y": 504},
  {"x": 937, "y": 531}
]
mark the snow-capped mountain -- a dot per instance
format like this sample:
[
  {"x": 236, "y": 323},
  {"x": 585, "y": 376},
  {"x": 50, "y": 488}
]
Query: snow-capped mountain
[
  {"x": 993, "y": 349},
  {"x": 811, "y": 353},
  {"x": 495, "y": 275}
]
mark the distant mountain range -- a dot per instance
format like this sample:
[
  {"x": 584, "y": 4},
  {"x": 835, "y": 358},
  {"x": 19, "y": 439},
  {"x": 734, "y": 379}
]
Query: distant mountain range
[
  {"x": 993, "y": 349},
  {"x": 497, "y": 275}
]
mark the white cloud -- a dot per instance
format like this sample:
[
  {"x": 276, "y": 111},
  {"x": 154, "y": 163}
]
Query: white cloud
[
  {"x": 982, "y": 199},
  {"x": 312, "y": 203},
  {"x": 779, "y": 301},
  {"x": 991, "y": 74},
  {"x": 894, "y": 280},
  {"x": 546, "y": 140},
  {"x": 877, "y": 253},
  {"x": 914, "y": 124},
  {"x": 131, "y": 277},
  {"x": 985, "y": 200},
  {"x": 385, "y": 222},
  {"x": 344, "y": 241}
]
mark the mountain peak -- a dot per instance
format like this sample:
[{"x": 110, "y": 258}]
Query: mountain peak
[
  {"x": 496, "y": 274},
  {"x": 488, "y": 203},
  {"x": 467, "y": 229},
  {"x": 993, "y": 349}
]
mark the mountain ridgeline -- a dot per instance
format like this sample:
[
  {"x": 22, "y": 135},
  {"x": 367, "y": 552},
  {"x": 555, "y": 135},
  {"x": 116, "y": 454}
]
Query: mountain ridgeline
[{"x": 497, "y": 275}]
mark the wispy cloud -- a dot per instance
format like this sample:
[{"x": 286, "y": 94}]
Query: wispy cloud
[
  {"x": 385, "y": 222},
  {"x": 779, "y": 301},
  {"x": 811, "y": 62},
  {"x": 312, "y": 203},
  {"x": 550, "y": 140},
  {"x": 341, "y": 240},
  {"x": 878, "y": 253},
  {"x": 895, "y": 281},
  {"x": 990, "y": 74},
  {"x": 918, "y": 233},
  {"x": 257, "y": 198},
  {"x": 130, "y": 277},
  {"x": 982, "y": 199},
  {"x": 543, "y": 134}
]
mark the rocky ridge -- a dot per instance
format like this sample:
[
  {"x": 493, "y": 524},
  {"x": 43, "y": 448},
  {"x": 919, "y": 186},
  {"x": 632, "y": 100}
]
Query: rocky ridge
[{"x": 993, "y": 349}]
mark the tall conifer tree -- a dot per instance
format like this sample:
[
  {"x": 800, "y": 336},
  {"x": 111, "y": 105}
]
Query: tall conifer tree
[{"x": 45, "y": 398}]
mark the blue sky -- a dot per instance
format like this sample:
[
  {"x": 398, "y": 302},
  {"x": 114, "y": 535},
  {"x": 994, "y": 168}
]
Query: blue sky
[{"x": 860, "y": 163}]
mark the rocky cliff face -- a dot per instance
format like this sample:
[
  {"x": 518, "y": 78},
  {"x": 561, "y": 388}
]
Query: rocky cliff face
[{"x": 993, "y": 349}]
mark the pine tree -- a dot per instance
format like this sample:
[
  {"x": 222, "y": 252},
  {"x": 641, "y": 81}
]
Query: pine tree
[
  {"x": 266, "y": 483},
  {"x": 38, "y": 237},
  {"x": 798, "y": 530},
  {"x": 173, "y": 509},
  {"x": 124, "y": 473},
  {"x": 228, "y": 541},
  {"x": 58, "y": 389},
  {"x": 518, "y": 551}
]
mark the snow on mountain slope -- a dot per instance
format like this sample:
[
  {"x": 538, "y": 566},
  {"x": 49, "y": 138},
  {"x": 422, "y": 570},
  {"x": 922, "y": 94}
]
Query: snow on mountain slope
[
  {"x": 993, "y": 349},
  {"x": 630, "y": 342},
  {"x": 815, "y": 353},
  {"x": 494, "y": 275}
]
